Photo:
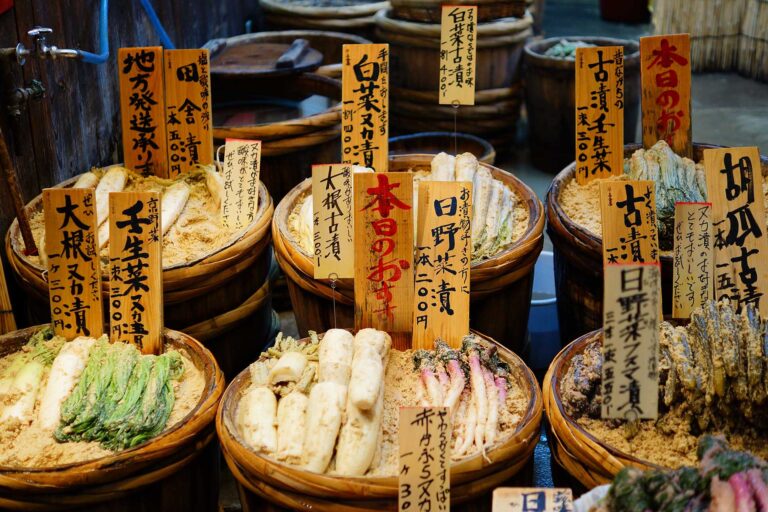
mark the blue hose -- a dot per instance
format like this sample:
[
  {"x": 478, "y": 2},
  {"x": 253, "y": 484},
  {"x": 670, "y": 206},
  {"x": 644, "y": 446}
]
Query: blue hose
[
  {"x": 101, "y": 58},
  {"x": 158, "y": 26}
]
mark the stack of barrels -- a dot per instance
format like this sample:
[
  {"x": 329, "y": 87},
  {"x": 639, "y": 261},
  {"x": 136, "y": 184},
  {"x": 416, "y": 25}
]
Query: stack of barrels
[{"x": 412, "y": 29}]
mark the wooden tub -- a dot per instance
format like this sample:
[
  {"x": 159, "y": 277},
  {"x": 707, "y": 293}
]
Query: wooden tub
[
  {"x": 222, "y": 298},
  {"x": 430, "y": 11},
  {"x": 586, "y": 458},
  {"x": 176, "y": 471},
  {"x": 352, "y": 17},
  {"x": 578, "y": 257},
  {"x": 500, "y": 286},
  {"x": 266, "y": 484}
]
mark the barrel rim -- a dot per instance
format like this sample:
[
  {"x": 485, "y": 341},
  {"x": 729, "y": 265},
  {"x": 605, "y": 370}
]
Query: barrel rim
[
  {"x": 534, "y": 51},
  {"x": 182, "y": 432},
  {"x": 13, "y": 235},
  {"x": 381, "y": 486},
  {"x": 220, "y": 43},
  {"x": 489, "y": 152},
  {"x": 344, "y": 12},
  {"x": 499, "y": 28}
]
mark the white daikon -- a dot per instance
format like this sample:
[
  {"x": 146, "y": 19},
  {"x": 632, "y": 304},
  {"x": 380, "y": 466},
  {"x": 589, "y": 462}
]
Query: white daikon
[{"x": 323, "y": 421}]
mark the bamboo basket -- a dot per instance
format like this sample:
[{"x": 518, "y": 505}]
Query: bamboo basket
[
  {"x": 290, "y": 147},
  {"x": 354, "y": 18},
  {"x": 435, "y": 142},
  {"x": 586, "y": 458},
  {"x": 171, "y": 473},
  {"x": 714, "y": 26},
  {"x": 753, "y": 46},
  {"x": 414, "y": 62},
  {"x": 579, "y": 260},
  {"x": 223, "y": 298},
  {"x": 429, "y": 11},
  {"x": 550, "y": 99},
  {"x": 263, "y": 480},
  {"x": 500, "y": 287}
]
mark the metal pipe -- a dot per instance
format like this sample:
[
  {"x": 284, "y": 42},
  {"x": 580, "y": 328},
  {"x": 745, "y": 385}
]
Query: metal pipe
[
  {"x": 93, "y": 58},
  {"x": 152, "y": 15}
]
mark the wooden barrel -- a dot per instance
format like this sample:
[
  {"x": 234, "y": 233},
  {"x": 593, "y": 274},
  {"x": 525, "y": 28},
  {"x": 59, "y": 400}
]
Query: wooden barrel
[
  {"x": 290, "y": 145},
  {"x": 429, "y": 11},
  {"x": 753, "y": 41},
  {"x": 550, "y": 85},
  {"x": 587, "y": 459},
  {"x": 264, "y": 481},
  {"x": 222, "y": 299},
  {"x": 500, "y": 287},
  {"x": 579, "y": 260},
  {"x": 329, "y": 44},
  {"x": 355, "y": 17},
  {"x": 434, "y": 142},
  {"x": 414, "y": 63},
  {"x": 176, "y": 471}
]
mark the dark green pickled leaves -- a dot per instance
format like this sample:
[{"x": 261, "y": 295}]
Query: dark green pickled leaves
[{"x": 122, "y": 399}]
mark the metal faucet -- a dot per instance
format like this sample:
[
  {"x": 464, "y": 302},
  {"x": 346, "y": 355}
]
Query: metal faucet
[{"x": 41, "y": 48}]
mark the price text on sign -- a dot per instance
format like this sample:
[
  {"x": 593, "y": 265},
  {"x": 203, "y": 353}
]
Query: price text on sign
[
  {"x": 665, "y": 70},
  {"x": 334, "y": 229},
  {"x": 74, "y": 272},
  {"x": 628, "y": 211},
  {"x": 242, "y": 161},
  {"x": 443, "y": 258},
  {"x": 630, "y": 341},
  {"x": 365, "y": 106},
  {"x": 735, "y": 188},
  {"x": 189, "y": 123},
  {"x": 693, "y": 263},
  {"x": 458, "y": 50},
  {"x": 384, "y": 254},
  {"x": 135, "y": 270},
  {"x": 424, "y": 481},
  {"x": 142, "y": 109},
  {"x": 527, "y": 499},
  {"x": 599, "y": 112}
]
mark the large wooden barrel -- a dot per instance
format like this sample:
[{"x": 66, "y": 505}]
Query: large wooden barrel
[
  {"x": 305, "y": 126},
  {"x": 550, "y": 85},
  {"x": 753, "y": 41},
  {"x": 176, "y": 471},
  {"x": 500, "y": 287},
  {"x": 429, "y": 11},
  {"x": 222, "y": 299},
  {"x": 414, "y": 62},
  {"x": 355, "y": 17},
  {"x": 433, "y": 143},
  {"x": 579, "y": 260},
  {"x": 586, "y": 458},
  {"x": 266, "y": 484}
]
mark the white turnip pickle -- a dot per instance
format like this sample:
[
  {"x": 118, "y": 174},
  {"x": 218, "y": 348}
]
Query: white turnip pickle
[
  {"x": 291, "y": 417},
  {"x": 324, "y": 412},
  {"x": 742, "y": 493},
  {"x": 479, "y": 395}
]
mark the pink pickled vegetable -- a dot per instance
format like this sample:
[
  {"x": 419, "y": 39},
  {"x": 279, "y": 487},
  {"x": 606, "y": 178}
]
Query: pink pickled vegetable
[
  {"x": 723, "y": 498},
  {"x": 479, "y": 394},
  {"x": 759, "y": 489},
  {"x": 742, "y": 493},
  {"x": 457, "y": 385},
  {"x": 434, "y": 389},
  {"x": 471, "y": 427},
  {"x": 493, "y": 409},
  {"x": 501, "y": 385}
]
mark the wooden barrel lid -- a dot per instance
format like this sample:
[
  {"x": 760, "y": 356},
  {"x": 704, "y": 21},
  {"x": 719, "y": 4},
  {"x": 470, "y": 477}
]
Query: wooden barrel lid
[{"x": 265, "y": 60}]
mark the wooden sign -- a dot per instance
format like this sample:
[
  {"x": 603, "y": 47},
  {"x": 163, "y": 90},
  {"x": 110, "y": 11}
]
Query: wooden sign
[
  {"x": 458, "y": 53},
  {"x": 136, "y": 270},
  {"x": 631, "y": 305},
  {"x": 735, "y": 188},
  {"x": 424, "y": 480},
  {"x": 599, "y": 112},
  {"x": 628, "y": 211},
  {"x": 242, "y": 163},
  {"x": 334, "y": 229},
  {"x": 443, "y": 258},
  {"x": 532, "y": 499},
  {"x": 74, "y": 271},
  {"x": 189, "y": 123},
  {"x": 665, "y": 71},
  {"x": 365, "y": 109},
  {"x": 142, "y": 109},
  {"x": 384, "y": 254},
  {"x": 693, "y": 260}
]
